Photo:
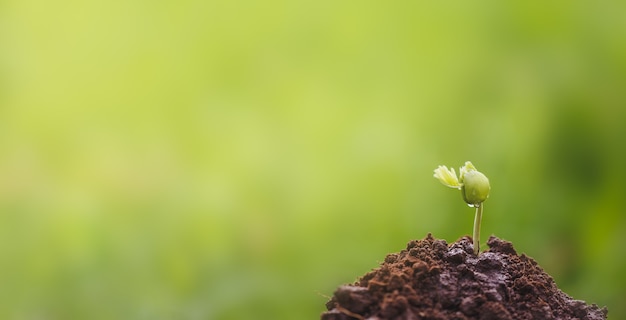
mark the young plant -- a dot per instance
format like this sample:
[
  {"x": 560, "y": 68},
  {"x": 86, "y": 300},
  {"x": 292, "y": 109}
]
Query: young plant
[{"x": 474, "y": 188}]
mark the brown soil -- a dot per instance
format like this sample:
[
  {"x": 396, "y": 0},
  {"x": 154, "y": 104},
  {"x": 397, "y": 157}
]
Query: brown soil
[{"x": 434, "y": 280}]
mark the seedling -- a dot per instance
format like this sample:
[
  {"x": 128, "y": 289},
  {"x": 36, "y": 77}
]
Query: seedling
[{"x": 474, "y": 188}]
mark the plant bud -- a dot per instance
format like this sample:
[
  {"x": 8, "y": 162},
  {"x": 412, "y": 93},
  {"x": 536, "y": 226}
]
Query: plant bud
[{"x": 475, "y": 188}]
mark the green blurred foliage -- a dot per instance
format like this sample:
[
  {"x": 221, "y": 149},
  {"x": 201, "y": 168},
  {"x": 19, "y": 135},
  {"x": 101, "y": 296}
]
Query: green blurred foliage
[{"x": 241, "y": 159}]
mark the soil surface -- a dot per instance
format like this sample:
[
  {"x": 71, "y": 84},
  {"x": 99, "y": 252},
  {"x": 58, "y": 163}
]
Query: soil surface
[{"x": 434, "y": 280}]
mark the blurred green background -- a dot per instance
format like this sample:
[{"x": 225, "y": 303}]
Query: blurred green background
[{"x": 241, "y": 159}]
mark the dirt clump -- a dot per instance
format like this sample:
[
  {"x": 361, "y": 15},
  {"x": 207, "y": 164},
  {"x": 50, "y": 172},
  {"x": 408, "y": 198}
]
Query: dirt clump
[{"x": 433, "y": 280}]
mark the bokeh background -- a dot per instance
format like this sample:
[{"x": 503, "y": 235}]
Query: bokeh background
[{"x": 241, "y": 159}]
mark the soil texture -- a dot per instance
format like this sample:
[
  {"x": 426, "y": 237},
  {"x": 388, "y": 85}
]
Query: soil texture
[{"x": 434, "y": 280}]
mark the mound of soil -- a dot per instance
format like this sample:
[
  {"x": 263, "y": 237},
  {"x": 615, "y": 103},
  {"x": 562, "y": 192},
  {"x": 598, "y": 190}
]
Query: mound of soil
[{"x": 434, "y": 280}]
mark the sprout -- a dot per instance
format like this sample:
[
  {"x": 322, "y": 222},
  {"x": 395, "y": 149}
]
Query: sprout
[{"x": 474, "y": 188}]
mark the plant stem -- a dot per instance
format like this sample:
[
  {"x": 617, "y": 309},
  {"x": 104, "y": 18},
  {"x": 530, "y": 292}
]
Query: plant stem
[{"x": 476, "y": 236}]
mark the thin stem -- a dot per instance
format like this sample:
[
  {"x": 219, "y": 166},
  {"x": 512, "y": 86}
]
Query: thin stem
[{"x": 476, "y": 236}]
